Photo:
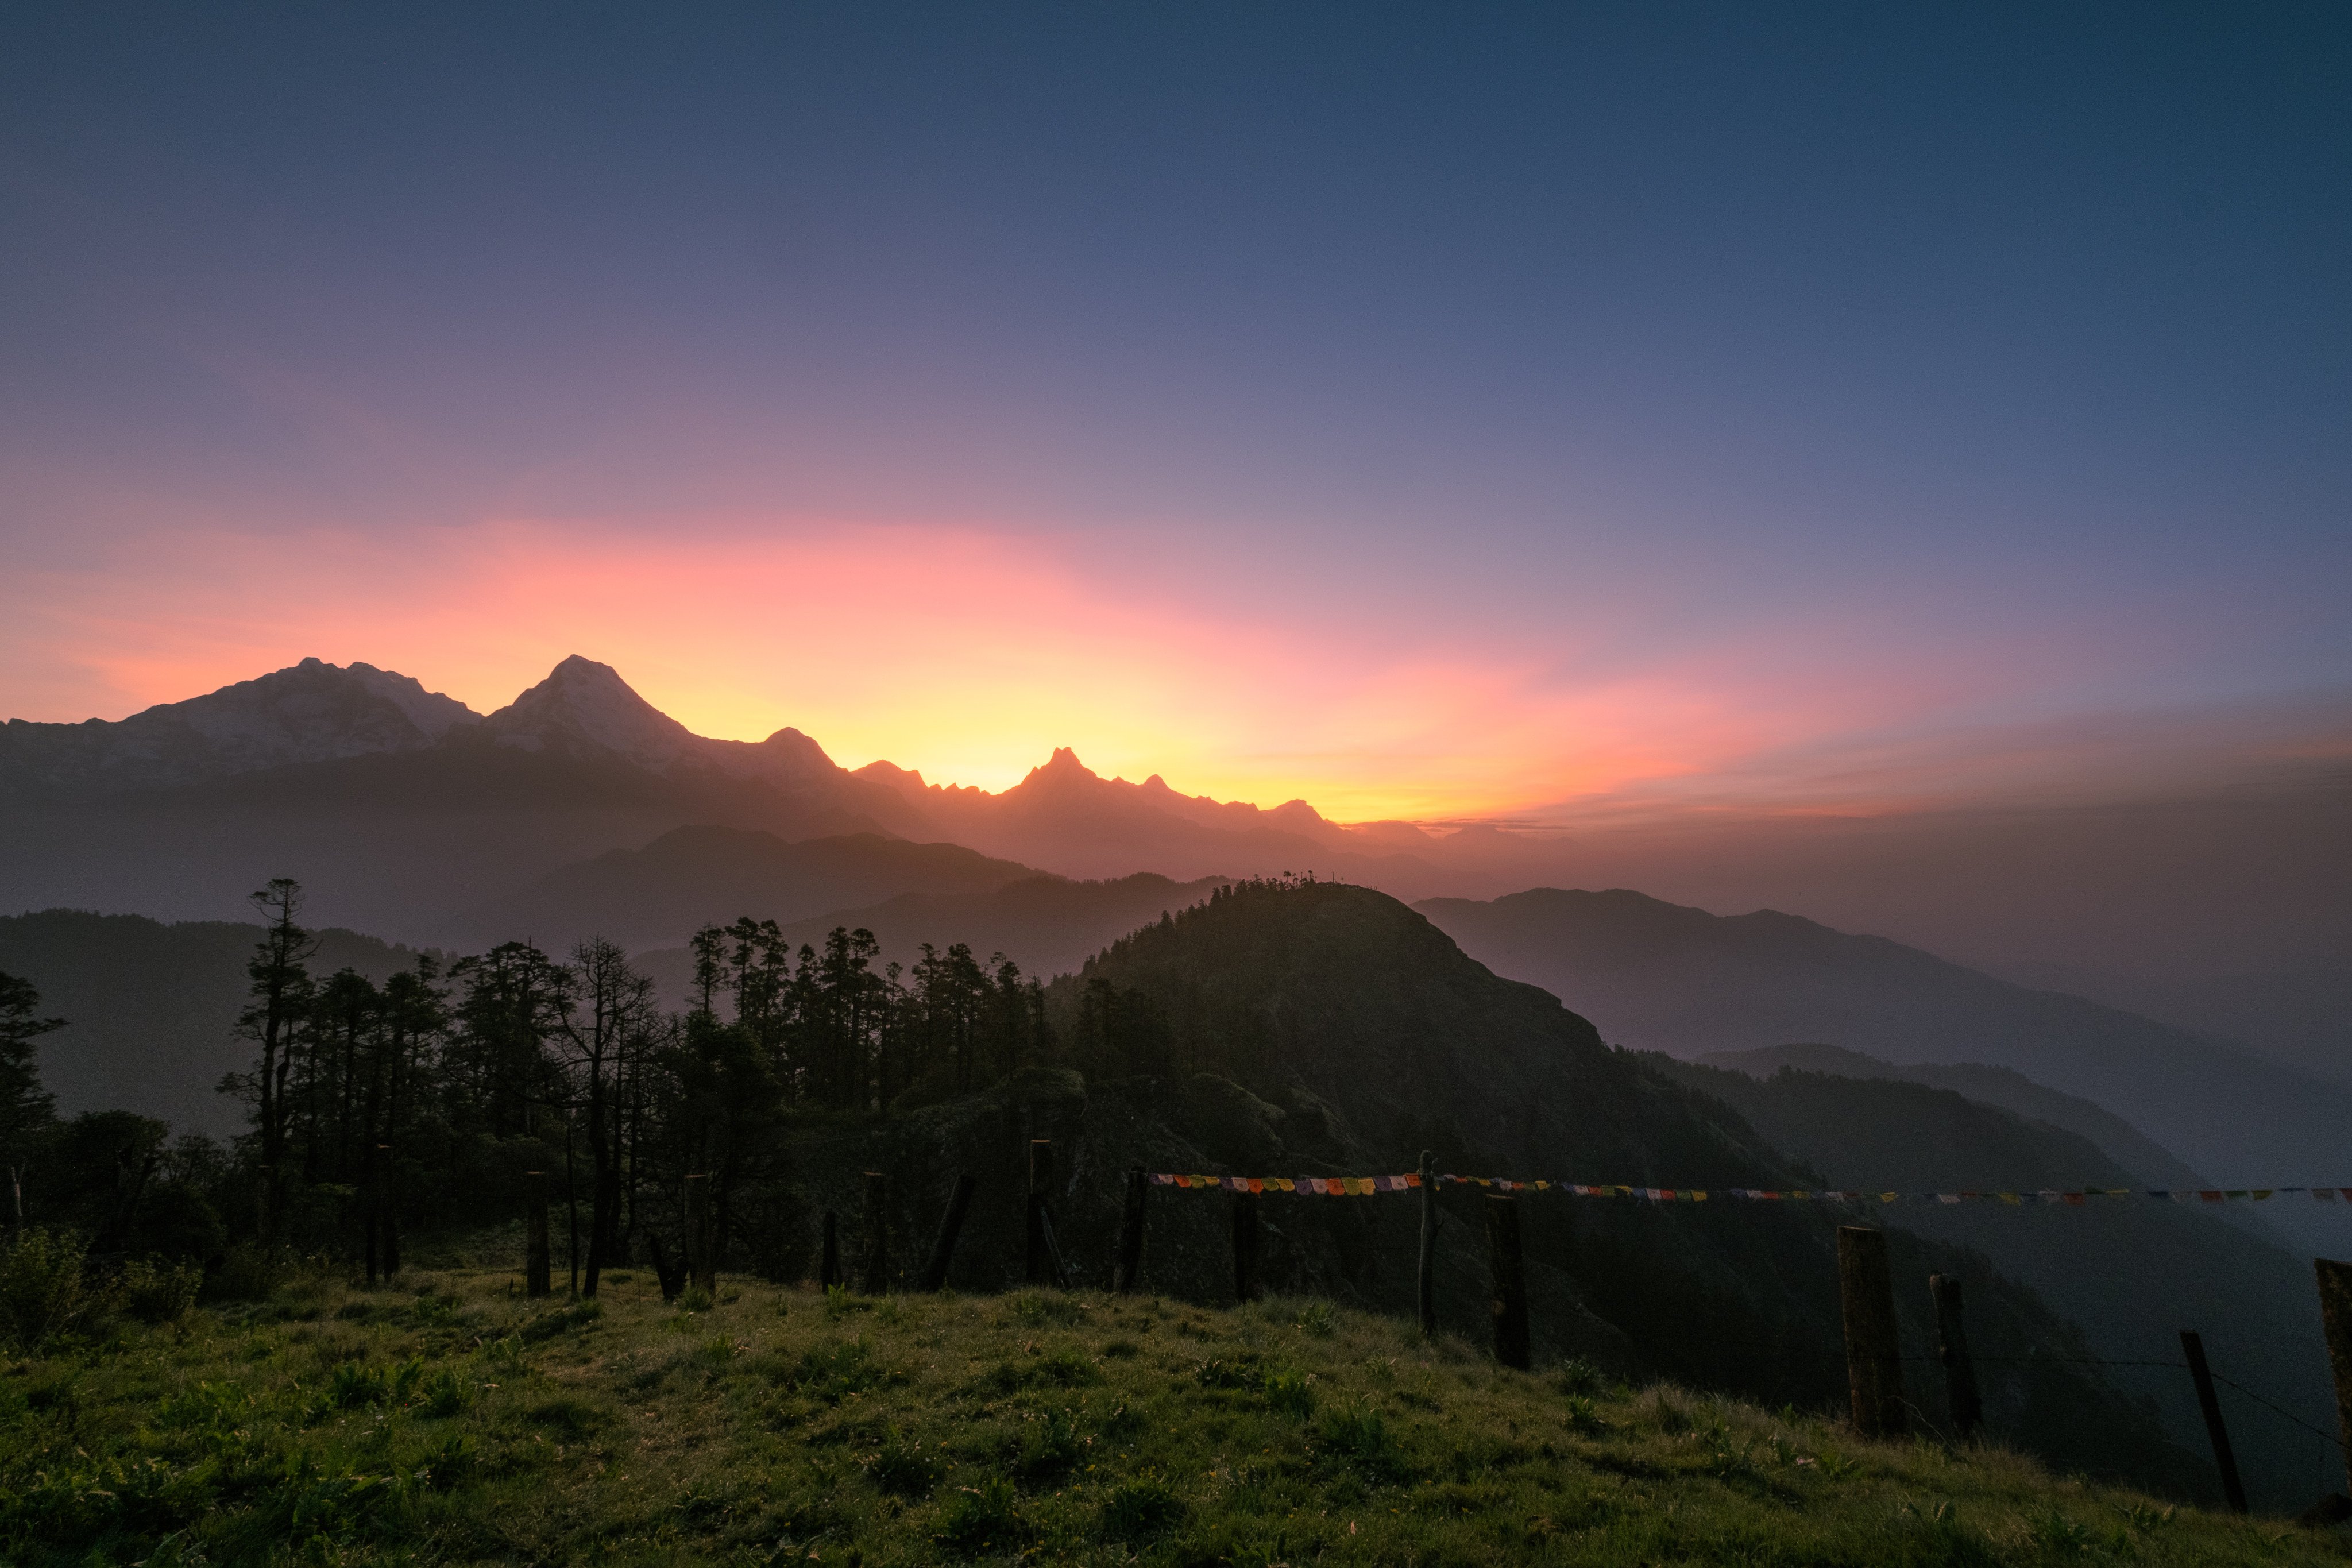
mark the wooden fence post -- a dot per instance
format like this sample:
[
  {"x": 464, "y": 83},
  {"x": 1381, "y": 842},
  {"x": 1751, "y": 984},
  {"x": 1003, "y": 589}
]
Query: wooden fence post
[
  {"x": 701, "y": 1267},
  {"x": 535, "y": 1282},
  {"x": 1129, "y": 1267},
  {"x": 1425, "y": 1277},
  {"x": 2336, "y": 1318},
  {"x": 935, "y": 1270},
  {"x": 372, "y": 1206},
  {"x": 878, "y": 1234},
  {"x": 1509, "y": 1305},
  {"x": 1037, "y": 1268},
  {"x": 388, "y": 1233},
  {"x": 1952, "y": 1349},
  {"x": 2192, "y": 1346},
  {"x": 1874, "y": 1364},
  {"x": 828, "y": 1271},
  {"x": 1245, "y": 1247}
]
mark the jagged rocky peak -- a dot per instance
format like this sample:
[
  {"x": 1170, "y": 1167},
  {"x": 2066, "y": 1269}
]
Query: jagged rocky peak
[
  {"x": 790, "y": 756},
  {"x": 586, "y": 706},
  {"x": 1063, "y": 768}
]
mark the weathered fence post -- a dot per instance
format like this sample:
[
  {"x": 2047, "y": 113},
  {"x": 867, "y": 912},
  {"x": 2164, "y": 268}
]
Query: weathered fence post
[
  {"x": 1038, "y": 1269},
  {"x": 2225, "y": 1460},
  {"x": 1425, "y": 1278},
  {"x": 371, "y": 1204},
  {"x": 828, "y": 1269},
  {"x": 878, "y": 1234},
  {"x": 1873, "y": 1363},
  {"x": 935, "y": 1270},
  {"x": 1245, "y": 1247},
  {"x": 701, "y": 1265},
  {"x": 2336, "y": 1318},
  {"x": 535, "y": 1263},
  {"x": 388, "y": 1235},
  {"x": 1509, "y": 1268},
  {"x": 1952, "y": 1349},
  {"x": 1129, "y": 1267}
]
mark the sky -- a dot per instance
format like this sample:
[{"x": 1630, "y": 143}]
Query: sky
[{"x": 1544, "y": 413}]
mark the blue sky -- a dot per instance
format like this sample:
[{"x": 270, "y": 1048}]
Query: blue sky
[{"x": 1427, "y": 410}]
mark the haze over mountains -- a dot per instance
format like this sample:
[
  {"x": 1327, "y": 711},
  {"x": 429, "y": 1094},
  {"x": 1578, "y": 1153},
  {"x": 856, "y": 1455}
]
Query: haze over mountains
[
  {"x": 581, "y": 810},
  {"x": 403, "y": 809},
  {"x": 1658, "y": 976}
]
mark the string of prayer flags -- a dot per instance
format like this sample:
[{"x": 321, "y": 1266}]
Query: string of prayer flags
[
  {"x": 1364, "y": 1187},
  {"x": 1317, "y": 1186}
]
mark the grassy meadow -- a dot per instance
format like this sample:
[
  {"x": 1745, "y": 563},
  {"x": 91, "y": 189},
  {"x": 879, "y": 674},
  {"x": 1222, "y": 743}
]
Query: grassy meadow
[{"x": 449, "y": 1420}]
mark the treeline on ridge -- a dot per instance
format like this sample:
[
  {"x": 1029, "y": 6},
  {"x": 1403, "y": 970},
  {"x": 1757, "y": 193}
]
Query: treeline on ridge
[{"x": 422, "y": 1104}]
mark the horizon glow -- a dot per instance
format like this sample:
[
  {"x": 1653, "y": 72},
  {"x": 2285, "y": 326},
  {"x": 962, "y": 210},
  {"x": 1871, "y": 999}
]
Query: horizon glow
[
  {"x": 969, "y": 656},
  {"x": 1541, "y": 416}
]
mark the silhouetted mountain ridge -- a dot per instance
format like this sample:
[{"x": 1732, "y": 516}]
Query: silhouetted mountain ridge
[
  {"x": 312, "y": 711},
  {"x": 1664, "y": 977}
]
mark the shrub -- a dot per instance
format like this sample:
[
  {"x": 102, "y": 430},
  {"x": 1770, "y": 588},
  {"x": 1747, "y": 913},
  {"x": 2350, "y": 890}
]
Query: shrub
[
  {"x": 160, "y": 1292},
  {"x": 446, "y": 1393},
  {"x": 1578, "y": 1376},
  {"x": 835, "y": 1371},
  {"x": 250, "y": 1272},
  {"x": 981, "y": 1518},
  {"x": 1363, "y": 1439},
  {"x": 42, "y": 1289},
  {"x": 1318, "y": 1320},
  {"x": 1137, "y": 1511},
  {"x": 1051, "y": 1447},
  {"x": 902, "y": 1469},
  {"x": 570, "y": 1418},
  {"x": 354, "y": 1384},
  {"x": 547, "y": 1325},
  {"x": 1290, "y": 1394},
  {"x": 695, "y": 1300}
]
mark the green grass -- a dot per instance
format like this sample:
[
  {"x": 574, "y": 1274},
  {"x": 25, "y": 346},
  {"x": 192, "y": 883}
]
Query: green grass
[{"x": 447, "y": 1421}]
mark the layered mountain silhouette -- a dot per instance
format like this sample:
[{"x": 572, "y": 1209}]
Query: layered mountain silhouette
[
  {"x": 151, "y": 1008},
  {"x": 1325, "y": 1026},
  {"x": 1065, "y": 817},
  {"x": 2250, "y": 1297},
  {"x": 2148, "y": 1163},
  {"x": 1660, "y": 976},
  {"x": 311, "y": 713},
  {"x": 407, "y": 813},
  {"x": 693, "y": 877}
]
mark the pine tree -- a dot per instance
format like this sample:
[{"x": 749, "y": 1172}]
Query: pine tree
[
  {"x": 278, "y": 1001},
  {"x": 25, "y": 1106}
]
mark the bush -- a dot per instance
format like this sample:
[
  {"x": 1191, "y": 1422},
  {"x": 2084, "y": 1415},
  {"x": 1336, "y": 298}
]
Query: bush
[
  {"x": 446, "y": 1393},
  {"x": 1577, "y": 1376},
  {"x": 1137, "y": 1511},
  {"x": 250, "y": 1272},
  {"x": 1363, "y": 1439},
  {"x": 981, "y": 1518},
  {"x": 901, "y": 1468},
  {"x": 42, "y": 1289},
  {"x": 157, "y": 1291},
  {"x": 1290, "y": 1394}
]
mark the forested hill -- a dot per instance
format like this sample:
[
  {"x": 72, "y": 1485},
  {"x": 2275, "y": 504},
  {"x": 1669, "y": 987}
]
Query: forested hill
[
  {"x": 150, "y": 1007},
  {"x": 1660, "y": 976},
  {"x": 1360, "y": 1033}
]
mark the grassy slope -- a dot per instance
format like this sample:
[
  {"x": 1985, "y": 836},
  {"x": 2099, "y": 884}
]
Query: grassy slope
[{"x": 451, "y": 1422}]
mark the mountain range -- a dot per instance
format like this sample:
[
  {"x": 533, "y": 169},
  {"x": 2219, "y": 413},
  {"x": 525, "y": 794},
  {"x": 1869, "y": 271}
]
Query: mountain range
[
  {"x": 1659, "y": 976},
  {"x": 407, "y": 813}
]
